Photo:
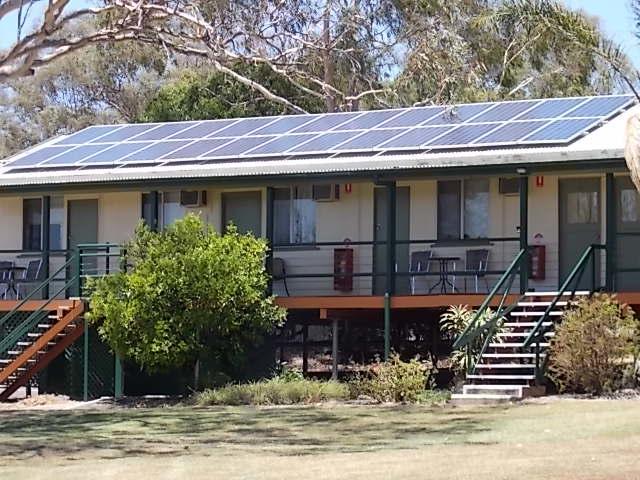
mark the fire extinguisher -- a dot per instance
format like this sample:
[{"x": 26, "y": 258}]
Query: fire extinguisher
[{"x": 537, "y": 265}]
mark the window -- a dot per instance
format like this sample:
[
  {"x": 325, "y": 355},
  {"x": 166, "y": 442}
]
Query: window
[
  {"x": 172, "y": 210},
  {"x": 582, "y": 207},
  {"x": 56, "y": 222},
  {"x": 463, "y": 209},
  {"x": 294, "y": 215},
  {"x": 629, "y": 206},
  {"x": 32, "y": 224},
  {"x": 150, "y": 210}
]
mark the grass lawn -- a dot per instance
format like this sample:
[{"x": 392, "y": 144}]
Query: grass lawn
[{"x": 556, "y": 440}]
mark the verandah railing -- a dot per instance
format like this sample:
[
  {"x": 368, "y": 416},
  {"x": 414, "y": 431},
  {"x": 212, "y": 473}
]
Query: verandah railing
[{"x": 312, "y": 269}]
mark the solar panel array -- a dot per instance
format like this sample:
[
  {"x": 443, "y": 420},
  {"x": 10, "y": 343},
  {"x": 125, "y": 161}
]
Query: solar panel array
[{"x": 556, "y": 121}]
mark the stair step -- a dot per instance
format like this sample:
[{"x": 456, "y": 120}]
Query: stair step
[
  {"x": 514, "y": 345},
  {"x": 44, "y": 325},
  {"x": 520, "y": 334},
  {"x": 483, "y": 397},
  {"x": 501, "y": 377},
  {"x": 554, "y": 313},
  {"x": 511, "y": 355},
  {"x": 505, "y": 365},
  {"x": 555, "y": 294},
  {"x": 7, "y": 361},
  {"x": 493, "y": 387},
  {"x": 525, "y": 324},
  {"x": 541, "y": 304}
]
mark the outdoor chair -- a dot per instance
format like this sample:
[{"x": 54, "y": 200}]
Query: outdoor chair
[
  {"x": 4, "y": 278},
  {"x": 420, "y": 262},
  {"x": 279, "y": 272},
  {"x": 476, "y": 266},
  {"x": 31, "y": 277}
]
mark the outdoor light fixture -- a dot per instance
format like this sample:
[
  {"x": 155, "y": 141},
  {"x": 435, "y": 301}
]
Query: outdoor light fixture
[{"x": 521, "y": 171}]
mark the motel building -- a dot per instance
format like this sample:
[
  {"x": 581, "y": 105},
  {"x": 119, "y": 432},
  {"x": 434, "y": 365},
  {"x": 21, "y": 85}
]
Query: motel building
[{"x": 378, "y": 221}]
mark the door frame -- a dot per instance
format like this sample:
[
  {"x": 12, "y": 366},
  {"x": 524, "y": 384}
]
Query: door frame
[{"x": 601, "y": 221}]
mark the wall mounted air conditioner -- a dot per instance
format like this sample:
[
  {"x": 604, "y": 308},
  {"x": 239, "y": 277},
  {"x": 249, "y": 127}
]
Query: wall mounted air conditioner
[
  {"x": 193, "y": 198},
  {"x": 326, "y": 192}
]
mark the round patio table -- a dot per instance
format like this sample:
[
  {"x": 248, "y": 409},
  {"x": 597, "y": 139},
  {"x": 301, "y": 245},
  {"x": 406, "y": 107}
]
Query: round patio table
[{"x": 444, "y": 274}]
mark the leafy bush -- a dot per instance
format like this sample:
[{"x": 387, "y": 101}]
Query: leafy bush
[
  {"x": 453, "y": 322},
  {"x": 597, "y": 339},
  {"x": 191, "y": 294},
  {"x": 275, "y": 392},
  {"x": 394, "y": 380}
]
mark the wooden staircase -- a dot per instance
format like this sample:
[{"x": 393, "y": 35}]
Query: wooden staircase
[
  {"x": 43, "y": 343},
  {"x": 506, "y": 371}
]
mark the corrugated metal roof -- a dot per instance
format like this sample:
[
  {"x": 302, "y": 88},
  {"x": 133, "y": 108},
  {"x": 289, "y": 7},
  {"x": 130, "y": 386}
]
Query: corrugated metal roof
[{"x": 606, "y": 142}]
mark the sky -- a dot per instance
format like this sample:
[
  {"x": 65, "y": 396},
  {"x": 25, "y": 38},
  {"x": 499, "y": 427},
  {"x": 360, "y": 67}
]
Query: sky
[{"x": 615, "y": 17}]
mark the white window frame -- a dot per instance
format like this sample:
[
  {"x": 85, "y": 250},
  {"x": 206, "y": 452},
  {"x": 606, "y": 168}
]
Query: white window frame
[
  {"x": 292, "y": 223},
  {"x": 462, "y": 182}
]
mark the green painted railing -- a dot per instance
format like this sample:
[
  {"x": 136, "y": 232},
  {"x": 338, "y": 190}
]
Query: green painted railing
[
  {"x": 475, "y": 330},
  {"x": 571, "y": 284},
  {"x": 472, "y": 330}
]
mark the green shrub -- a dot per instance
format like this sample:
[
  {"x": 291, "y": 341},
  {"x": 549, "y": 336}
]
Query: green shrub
[
  {"x": 275, "y": 392},
  {"x": 593, "y": 346},
  {"x": 394, "y": 380}
]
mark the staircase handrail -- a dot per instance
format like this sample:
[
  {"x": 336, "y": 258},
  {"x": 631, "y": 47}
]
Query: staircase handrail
[
  {"x": 472, "y": 330},
  {"x": 23, "y": 328},
  {"x": 576, "y": 274}
]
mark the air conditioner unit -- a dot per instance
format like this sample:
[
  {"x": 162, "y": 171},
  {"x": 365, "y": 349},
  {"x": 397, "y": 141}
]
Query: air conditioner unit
[
  {"x": 326, "y": 192},
  {"x": 193, "y": 198}
]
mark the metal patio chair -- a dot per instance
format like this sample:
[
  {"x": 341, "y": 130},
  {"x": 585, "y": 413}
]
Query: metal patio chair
[
  {"x": 4, "y": 278},
  {"x": 279, "y": 272},
  {"x": 31, "y": 277},
  {"x": 420, "y": 262},
  {"x": 477, "y": 261}
]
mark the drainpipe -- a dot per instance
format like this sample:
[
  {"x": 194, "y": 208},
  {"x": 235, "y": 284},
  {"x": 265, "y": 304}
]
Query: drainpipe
[{"x": 46, "y": 241}]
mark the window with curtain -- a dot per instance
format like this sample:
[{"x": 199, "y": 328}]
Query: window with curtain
[
  {"x": 32, "y": 224},
  {"x": 294, "y": 215},
  {"x": 463, "y": 209}
]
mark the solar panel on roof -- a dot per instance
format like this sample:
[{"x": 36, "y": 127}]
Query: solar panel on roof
[
  {"x": 238, "y": 147},
  {"x": 123, "y": 134},
  {"x": 326, "y": 122},
  {"x": 38, "y": 156},
  {"x": 504, "y": 111},
  {"x": 243, "y": 127},
  {"x": 370, "y": 139},
  {"x": 114, "y": 153},
  {"x": 87, "y": 134},
  {"x": 75, "y": 154},
  {"x": 412, "y": 117},
  {"x": 561, "y": 129},
  {"x": 368, "y": 120},
  {"x": 197, "y": 148},
  {"x": 164, "y": 131},
  {"x": 458, "y": 114},
  {"x": 203, "y": 129},
  {"x": 598, "y": 106},
  {"x": 462, "y": 135},
  {"x": 282, "y": 144},
  {"x": 510, "y": 132},
  {"x": 415, "y": 137},
  {"x": 550, "y": 121},
  {"x": 155, "y": 151},
  {"x": 550, "y": 108},
  {"x": 326, "y": 141},
  {"x": 284, "y": 125}
]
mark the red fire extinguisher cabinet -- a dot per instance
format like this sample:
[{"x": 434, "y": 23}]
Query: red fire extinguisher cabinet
[
  {"x": 343, "y": 269},
  {"x": 537, "y": 265}
]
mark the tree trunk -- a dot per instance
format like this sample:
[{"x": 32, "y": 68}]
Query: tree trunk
[
  {"x": 196, "y": 375},
  {"x": 632, "y": 148},
  {"x": 329, "y": 67}
]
